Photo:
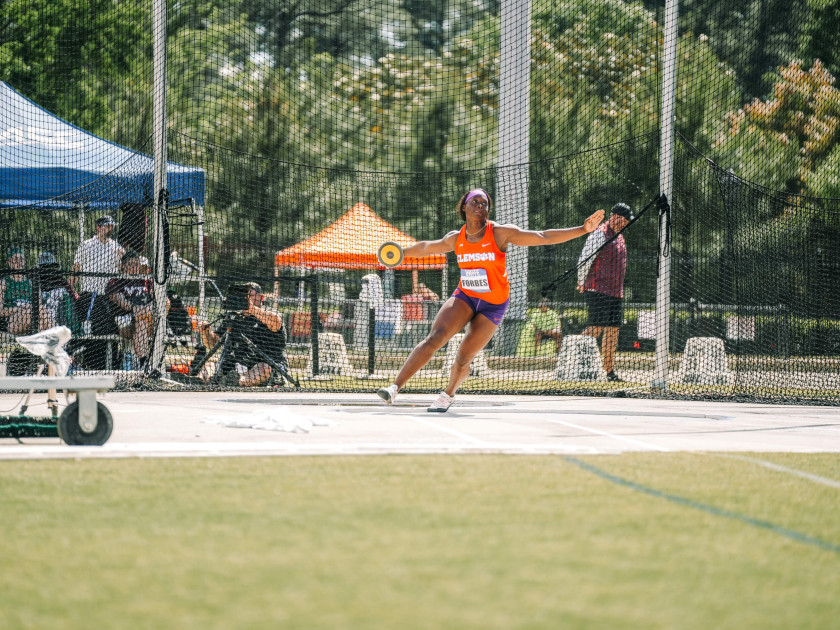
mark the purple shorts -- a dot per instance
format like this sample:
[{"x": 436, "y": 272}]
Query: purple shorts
[{"x": 493, "y": 312}]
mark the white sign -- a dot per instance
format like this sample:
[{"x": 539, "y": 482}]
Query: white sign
[
  {"x": 740, "y": 328},
  {"x": 647, "y": 325}
]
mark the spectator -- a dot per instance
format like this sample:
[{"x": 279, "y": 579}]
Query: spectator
[
  {"x": 601, "y": 280},
  {"x": 98, "y": 254},
  {"x": 242, "y": 366},
  {"x": 57, "y": 294},
  {"x": 547, "y": 325},
  {"x": 424, "y": 293},
  {"x": 132, "y": 301},
  {"x": 16, "y": 291}
]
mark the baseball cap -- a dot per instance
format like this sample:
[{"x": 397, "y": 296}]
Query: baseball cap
[
  {"x": 622, "y": 209},
  {"x": 14, "y": 250},
  {"x": 46, "y": 258},
  {"x": 106, "y": 220}
]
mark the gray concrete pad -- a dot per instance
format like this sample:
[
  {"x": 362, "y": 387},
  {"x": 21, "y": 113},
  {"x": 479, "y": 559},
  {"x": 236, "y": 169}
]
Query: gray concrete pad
[{"x": 194, "y": 424}]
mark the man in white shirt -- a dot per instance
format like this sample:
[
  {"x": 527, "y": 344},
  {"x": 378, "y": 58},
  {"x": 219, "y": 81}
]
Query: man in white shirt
[{"x": 98, "y": 254}]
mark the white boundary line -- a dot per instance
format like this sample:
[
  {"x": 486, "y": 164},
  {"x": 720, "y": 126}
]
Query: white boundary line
[
  {"x": 120, "y": 450},
  {"x": 620, "y": 438},
  {"x": 457, "y": 434},
  {"x": 553, "y": 446},
  {"x": 791, "y": 471}
]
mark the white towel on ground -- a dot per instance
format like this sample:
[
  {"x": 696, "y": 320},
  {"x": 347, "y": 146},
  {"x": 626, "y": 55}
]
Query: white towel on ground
[{"x": 273, "y": 419}]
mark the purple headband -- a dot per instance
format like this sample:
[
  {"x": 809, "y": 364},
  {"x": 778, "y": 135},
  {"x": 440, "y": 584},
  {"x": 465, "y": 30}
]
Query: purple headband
[{"x": 475, "y": 193}]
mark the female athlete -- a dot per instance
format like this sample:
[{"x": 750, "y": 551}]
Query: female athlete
[{"x": 482, "y": 295}]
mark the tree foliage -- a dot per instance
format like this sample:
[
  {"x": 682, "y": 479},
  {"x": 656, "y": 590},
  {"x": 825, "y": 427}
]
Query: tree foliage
[
  {"x": 90, "y": 62},
  {"x": 291, "y": 105},
  {"x": 798, "y": 125}
]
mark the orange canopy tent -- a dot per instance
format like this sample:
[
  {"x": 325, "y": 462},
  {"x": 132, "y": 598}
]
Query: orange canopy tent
[{"x": 352, "y": 243}]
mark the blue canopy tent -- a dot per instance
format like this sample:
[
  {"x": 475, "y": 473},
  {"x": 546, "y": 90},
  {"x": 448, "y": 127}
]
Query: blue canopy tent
[{"x": 47, "y": 162}]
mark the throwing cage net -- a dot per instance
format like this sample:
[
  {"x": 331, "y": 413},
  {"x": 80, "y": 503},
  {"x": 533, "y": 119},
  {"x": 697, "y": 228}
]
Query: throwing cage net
[{"x": 199, "y": 190}]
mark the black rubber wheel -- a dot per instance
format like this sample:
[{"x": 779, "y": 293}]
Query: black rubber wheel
[{"x": 71, "y": 431}]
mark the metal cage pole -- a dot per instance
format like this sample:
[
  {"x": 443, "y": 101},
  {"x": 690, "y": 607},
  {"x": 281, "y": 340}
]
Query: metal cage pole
[
  {"x": 160, "y": 183},
  {"x": 666, "y": 186},
  {"x": 513, "y": 152}
]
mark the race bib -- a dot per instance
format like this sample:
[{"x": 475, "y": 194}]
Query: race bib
[{"x": 475, "y": 280}]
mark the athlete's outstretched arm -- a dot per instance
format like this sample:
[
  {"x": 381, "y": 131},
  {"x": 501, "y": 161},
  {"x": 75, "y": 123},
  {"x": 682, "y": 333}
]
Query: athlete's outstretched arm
[
  {"x": 425, "y": 248},
  {"x": 513, "y": 235}
]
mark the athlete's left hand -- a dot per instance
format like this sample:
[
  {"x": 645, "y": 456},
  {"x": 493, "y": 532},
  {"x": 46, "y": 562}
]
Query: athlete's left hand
[{"x": 593, "y": 221}]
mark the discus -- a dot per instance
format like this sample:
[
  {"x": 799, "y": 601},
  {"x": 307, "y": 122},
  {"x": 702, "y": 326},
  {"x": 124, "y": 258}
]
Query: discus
[{"x": 390, "y": 254}]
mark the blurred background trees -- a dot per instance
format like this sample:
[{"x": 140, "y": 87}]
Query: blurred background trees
[{"x": 284, "y": 102}]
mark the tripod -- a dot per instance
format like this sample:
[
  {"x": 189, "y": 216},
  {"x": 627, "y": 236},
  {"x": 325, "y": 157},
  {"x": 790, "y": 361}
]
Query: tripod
[{"x": 229, "y": 339}]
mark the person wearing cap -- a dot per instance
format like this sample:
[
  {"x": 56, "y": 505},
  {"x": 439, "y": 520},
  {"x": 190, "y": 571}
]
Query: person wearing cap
[
  {"x": 601, "y": 280},
  {"x": 259, "y": 324},
  {"x": 16, "y": 293},
  {"x": 132, "y": 305},
  {"x": 99, "y": 254},
  {"x": 483, "y": 294}
]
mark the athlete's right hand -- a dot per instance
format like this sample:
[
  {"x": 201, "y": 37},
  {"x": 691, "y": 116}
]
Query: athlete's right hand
[{"x": 593, "y": 221}]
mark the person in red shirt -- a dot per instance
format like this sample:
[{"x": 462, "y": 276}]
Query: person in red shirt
[
  {"x": 601, "y": 280},
  {"x": 482, "y": 295}
]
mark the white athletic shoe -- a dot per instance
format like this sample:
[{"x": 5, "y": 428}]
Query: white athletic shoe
[
  {"x": 442, "y": 404},
  {"x": 388, "y": 394}
]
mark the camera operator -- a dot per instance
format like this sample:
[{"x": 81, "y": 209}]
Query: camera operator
[{"x": 242, "y": 367}]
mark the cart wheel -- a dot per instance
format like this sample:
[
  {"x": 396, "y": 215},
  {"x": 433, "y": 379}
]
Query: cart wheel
[{"x": 71, "y": 431}]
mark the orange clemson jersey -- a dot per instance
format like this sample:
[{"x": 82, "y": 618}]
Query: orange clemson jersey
[{"x": 483, "y": 269}]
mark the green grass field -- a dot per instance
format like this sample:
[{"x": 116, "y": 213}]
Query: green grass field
[{"x": 632, "y": 541}]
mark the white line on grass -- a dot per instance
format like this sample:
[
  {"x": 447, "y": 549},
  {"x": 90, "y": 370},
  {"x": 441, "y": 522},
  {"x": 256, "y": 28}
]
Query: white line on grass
[
  {"x": 614, "y": 436},
  {"x": 798, "y": 473}
]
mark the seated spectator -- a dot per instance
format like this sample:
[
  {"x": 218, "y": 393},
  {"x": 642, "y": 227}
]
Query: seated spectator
[
  {"x": 16, "y": 292},
  {"x": 424, "y": 292},
  {"x": 243, "y": 367},
  {"x": 57, "y": 294},
  {"x": 132, "y": 304},
  {"x": 547, "y": 325}
]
